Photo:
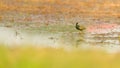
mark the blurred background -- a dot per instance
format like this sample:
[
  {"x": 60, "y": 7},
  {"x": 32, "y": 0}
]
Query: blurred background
[{"x": 43, "y": 34}]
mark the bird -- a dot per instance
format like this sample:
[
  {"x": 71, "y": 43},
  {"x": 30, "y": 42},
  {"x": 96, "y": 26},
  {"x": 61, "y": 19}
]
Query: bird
[{"x": 78, "y": 27}]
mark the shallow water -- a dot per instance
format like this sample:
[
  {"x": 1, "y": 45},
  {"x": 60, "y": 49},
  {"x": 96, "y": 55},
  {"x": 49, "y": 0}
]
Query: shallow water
[
  {"x": 11, "y": 37},
  {"x": 15, "y": 37}
]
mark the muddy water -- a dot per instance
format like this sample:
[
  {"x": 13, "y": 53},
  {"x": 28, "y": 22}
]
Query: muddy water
[
  {"x": 15, "y": 37},
  {"x": 68, "y": 40}
]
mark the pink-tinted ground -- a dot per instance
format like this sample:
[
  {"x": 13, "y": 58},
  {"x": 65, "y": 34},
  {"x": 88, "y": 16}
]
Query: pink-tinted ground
[{"x": 103, "y": 28}]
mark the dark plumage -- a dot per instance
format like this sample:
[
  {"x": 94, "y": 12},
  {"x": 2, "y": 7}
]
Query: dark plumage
[{"x": 78, "y": 27}]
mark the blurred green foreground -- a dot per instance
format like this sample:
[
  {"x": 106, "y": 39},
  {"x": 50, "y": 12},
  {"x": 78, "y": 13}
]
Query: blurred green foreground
[{"x": 33, "y": 57}]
